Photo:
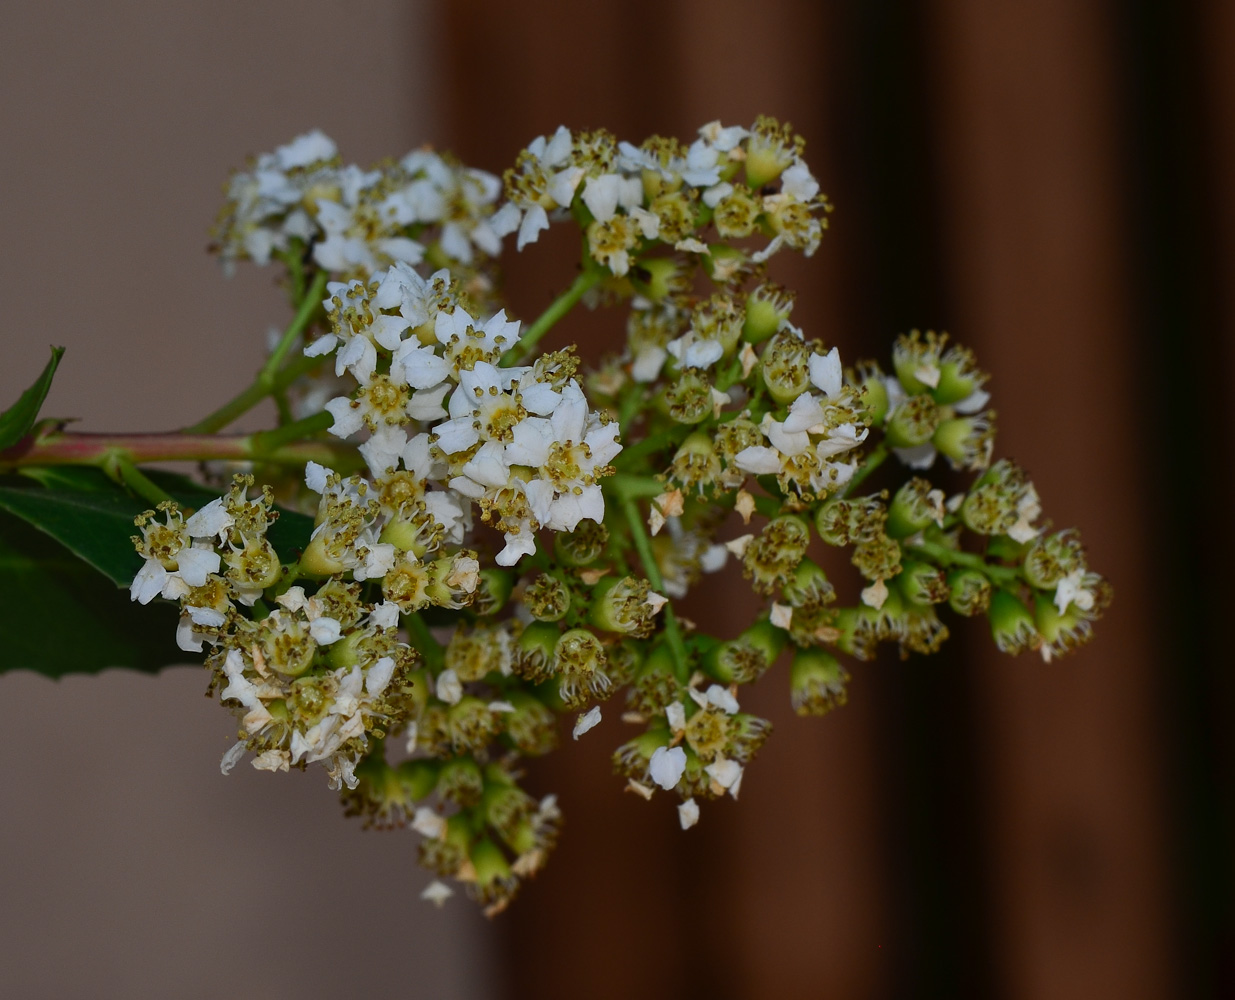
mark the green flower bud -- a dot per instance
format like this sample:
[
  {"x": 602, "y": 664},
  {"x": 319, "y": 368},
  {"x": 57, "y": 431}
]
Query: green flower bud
[
  {"x": 845, "y": 522},
  {"x": 621, "y": 605},
  {"x": 534, "y": 655},
  {"x": 854, "y": 635},
  {"x": 584, "y": 545},
  {"x": 532, "y": 727},
  {"x": 785, "y": 364},
  {"x": 579, "y": 658},
  {"x": 916, "y": 506},
  {"x": 418, "y": 778},
  {"x": 877, "y": 559},
  {"x": 472, "y": 724},
  {"x": 547, "y": 598},
  {"x": 689, "y": 399},
  {"x": 771, "y": 148},
  {"x": 1012, "y": 624},
  {"x": 492, "y": 591},
  {"x": 921, "y": 632},
  {"x": 744, "y": 659},
  {"x": 747, "y": 733},
  {"x": 969, "y": 592},
  {"x": 460, "y": 781},
  {"x": 915, "y": 359},
  {"x": 656, "y": 685},
  {"x": 912, "y": 423},
  {"x": 631, "y": 759},
  {"x": 495, "y": 884},
  {"x": 923, "y": 584},
  {"x": 767, "y": 307},
  {"x": 447, "y": 856},
  {"x": 817, "y": 682},
  {"x": 1061, "y": 633},
  {"x": 771, "y": 557},
  {"x": 966, "y": 442},
  {"x": 1052, "y": 557},
  {"x": 695, "y": 464},
  {"x": 959, "y": 376},
  {"x": 660, "y": 277}
]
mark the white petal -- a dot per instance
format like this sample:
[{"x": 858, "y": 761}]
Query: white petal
[
  {"x": 722, "y": 698},
  {"x": 667, "y": 766},
  {"x": 448, "y": 688},
  {"x": 209, "y": 520},
  {"x": 325, "y": 630},
  {"x": 534, "y": 221},
  {"x": 196, "y": 565},
  {"x": 758, "y": 460},
  {"x": 586, "y": 721},
  {"x": 688, "y": 813},
  {"x": 825, "y": 372}
]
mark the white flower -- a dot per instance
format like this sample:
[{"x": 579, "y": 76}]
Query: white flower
[
  {"x": 1072, "y": 590},
  {"x": 667, "y": 766}
]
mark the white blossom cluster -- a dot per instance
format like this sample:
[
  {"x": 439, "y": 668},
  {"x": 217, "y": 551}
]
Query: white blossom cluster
[
  {"x": 358, "y": 221},
  {"x": 743, "y": 180},
  {"x": 520, "y": 442}
]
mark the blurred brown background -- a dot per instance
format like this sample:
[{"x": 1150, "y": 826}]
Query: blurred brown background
[{"x": 1047, "y": 180}]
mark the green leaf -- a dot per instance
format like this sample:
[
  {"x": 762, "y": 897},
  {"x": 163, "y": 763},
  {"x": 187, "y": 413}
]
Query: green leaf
[
  {"x": 16, "y": 421},
  {"x": 58, "y": 616},
  {"x": 93, "y": 517}
]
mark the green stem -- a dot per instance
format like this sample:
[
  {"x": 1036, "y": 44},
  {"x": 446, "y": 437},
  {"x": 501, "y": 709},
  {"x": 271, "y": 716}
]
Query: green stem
[
  {"x": 271, "y": 378},
  {"x": 422, "y": 639},
  {"x": 269, "y": 441},
  {"x": 558, "y": 308},
  {"x": 643, "y": 545},
  {"x": 127, "y": 474},
  {"x": 945, "y": 556},
  {"x": 308, "y": 305},
  {"x": 872, "y": 461}
]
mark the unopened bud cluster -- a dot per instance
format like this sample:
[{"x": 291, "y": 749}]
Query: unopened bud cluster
[{"x": 506, "y": 539}]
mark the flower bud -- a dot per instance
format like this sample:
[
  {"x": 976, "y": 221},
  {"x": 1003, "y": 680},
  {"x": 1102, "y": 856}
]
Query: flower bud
[
  {"x": 915, "y": 506},
  {"x": 747, "y": 733},
  {"x": 1052, "y": 557},
  {"x": 744, "y": 659},
  {"x": 460, "y": 781},
  {"x": 878, "y": 558},
  {"x": 533, "y": 660},
  {"x": 959, "y": 376},
  {"x": 785, "y": 364},
  {"x": 969, "y": 592},
  {"x": 767, "y": 307},
  {"x": 492, "y": 591},
  {"x": 923, "y": 584},
  {"x": 659, "y": 277},
  {"x": 1012, "y": 624},
  {"x": 817, "y": 682},
  {"x": 473, "y": 725},
  {"x": 547, "y": 598},
  {"x": 966, "y": 442},
  {"x": 621, "y": 605},
  {"x": 579, "y": 658},
  {"x": 418, "y": 778},
  {"x": 689, "y": 399},
  {"x": 845, "y": 522},
  {"x": 656, "y": 684},
  {"x": 532, "y": 727},
  {"x": 584, "y": 545},
  {"x": 770, "y": 558},
  {"x": 913, "y": 422},
  {"x": 495, "y": 884},
  {"x": 1061, "y": 633},
  {"x": 446, "y": 856}
]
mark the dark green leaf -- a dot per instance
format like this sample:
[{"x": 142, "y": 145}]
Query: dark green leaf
[
  {"x": 59, "y": 616},
  {"x": 16, "y": 421}
]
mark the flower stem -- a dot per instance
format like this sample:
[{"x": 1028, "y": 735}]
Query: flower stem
[
  {"x": 643, "y": 545},
  {"x": 558, "y": 308},
  {"x": 271, "y": 379},
  {"x": 127, "y": 474},
  {"x": 273, "y": 447},
  {"x": 945, "y": 556},
  {"x": 872, "y": 461}
]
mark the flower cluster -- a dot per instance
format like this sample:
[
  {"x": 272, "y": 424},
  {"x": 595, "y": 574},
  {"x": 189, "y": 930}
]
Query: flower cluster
[{"x": 504, "y": 534}]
